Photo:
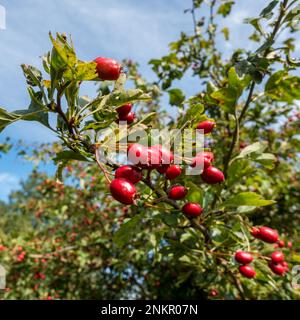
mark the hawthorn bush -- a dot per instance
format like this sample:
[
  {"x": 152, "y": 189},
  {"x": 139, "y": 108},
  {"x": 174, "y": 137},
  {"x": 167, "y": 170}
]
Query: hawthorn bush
[{"x": 139, "y": 226}]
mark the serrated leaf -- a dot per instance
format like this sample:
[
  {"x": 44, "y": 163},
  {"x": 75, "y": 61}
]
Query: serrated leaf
[
  {"x": 247, "y": 199},
  {"x": 176, "y": 97},
  {"x": 128, "y": 230},
  {"x": 69, "y": 155}
]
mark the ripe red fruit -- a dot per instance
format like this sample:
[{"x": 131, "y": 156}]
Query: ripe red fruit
[
  {"x": 207, "y": 126},
  {"x": 285, "y": 264},
  {"x": 129, "y": 173},
  {"x": 129, "y": 118},
  {"x": 213, "y": 293},
  {"x": 243, "y": 257},
  {"x": 212, "y": 175},
  {"x": 280, "y": 243},
  {"x": 268, "y": 235},
  {"x": 247, "y": 271},
  {"x": 255, "y": 232},
  {"x": 123, "y": 190},
  {"x": 137, "y": 154},
  {"x": 205, "y": 158},
  {"x": 192, "y": 210},
  {"x": 289, "y": 244},
  {"x": 278, "y": 269},
  {"x": 167, "y": 156},
  {"x": 177, "y": 192},
  {"x": 124, "y": 110},
  {"x": 173, "y": 172},
  {"x": 107, "y": 68},
  {"x": 277, "y": 257}
]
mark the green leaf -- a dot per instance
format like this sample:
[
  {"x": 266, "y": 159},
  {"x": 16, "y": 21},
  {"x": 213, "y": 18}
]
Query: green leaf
[
  {"x": 69, "y": 155},
  {"x": 267, "y": 12},
  {"x": 33, "y": 75},
  {"x": 195, "y": 193},
  {"x": 257, "y": 147},
  {"x": 228, "y": 96},
  {"x": 225, "y": 8},
  {"x": 225, "y": 32},
  {"x": 83, "y": 71},
  {"x": 64, "y": 50},
  {"x": 247, "y": 199},
  {"x": 283, "y": 87},
  {"x": 128, "y": 230},
  {"x": 7, "y": 118},
  {"x": 176, "y": 97}
]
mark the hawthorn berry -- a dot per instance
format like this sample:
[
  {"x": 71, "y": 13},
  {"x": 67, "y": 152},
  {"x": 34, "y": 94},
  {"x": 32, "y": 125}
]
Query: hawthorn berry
[
  {"x": 167, "y": 156},
  {"x": 280, "y": 243},
  {"x": 247, "y": 271},
  {"x": 173, "y": 172},
  {"x": 212, "y": 175},
  {"x": 277, "y": 257},
  {"x": 137, "y": 154},
  {"x": 268, "y": 235},
  {"x": 207, "y": 126},
  {"x": 255, "y": 232},
  {"x": 129, "y": 118},
  {"x": 277, "y": 268},
  {"x": 203, "y": 157},
  {"x": 129, "y": 173},
  {"x": 124, "y": 109},
  {"x": 123, "y": 190},
  {"x": 213, "y": 293},
  {"x": 289, "y": 244},
  {"x": 192, "y": 210},
  {"x": 107, "y": 68},
  {"x": 177, "y": 192},
  {"x": 286, "y": 265},
  {"x": 243, "y": 257}
]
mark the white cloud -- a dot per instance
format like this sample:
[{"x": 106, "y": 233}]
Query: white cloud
[{"x": 8, "y": 182}]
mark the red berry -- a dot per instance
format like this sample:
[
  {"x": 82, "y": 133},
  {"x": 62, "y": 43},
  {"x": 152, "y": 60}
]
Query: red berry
[
  {"x": 154, "y": 158},
  {"x": 207, "y": 126},
  {"x": 167, "y": 156},
  {"x": 205, "y": 158},
  {"x": 107, "y": 68},
  {"x": 192, "y": 210},
  {"x": 277, "y": 257},
  {"x": 255, "y": 232},
  {"x": 278, "y": 269},
  {"x": 289, "y": 244},
  {"x": 212, "y": 175},
  {"x": 268, "y": 235},
  {"x": 285, "y": 264},
  {"x": 213, "y": 293},
  {"x": 177, "y": 192},
  {"x": 243, "y": 257},
  {"x": 280, "y": 243},
  {"x": 123, "y": 190},
  {"x": 129, "y": 173},
  {"x": 124, "y": 110},
  {"x": 137, "y": 154},
  {"x": 173, "y": 172},
  {"x": 129, "y": 118},
  {"x": 247, "y": 271}
]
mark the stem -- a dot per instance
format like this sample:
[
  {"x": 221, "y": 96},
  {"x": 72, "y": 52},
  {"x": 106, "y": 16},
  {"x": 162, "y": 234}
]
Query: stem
[{"x": 102, "y": 167}]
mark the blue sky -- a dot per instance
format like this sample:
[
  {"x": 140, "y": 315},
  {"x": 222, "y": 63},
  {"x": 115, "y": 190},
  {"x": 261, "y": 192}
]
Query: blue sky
[{"x": 134, "y": 29}]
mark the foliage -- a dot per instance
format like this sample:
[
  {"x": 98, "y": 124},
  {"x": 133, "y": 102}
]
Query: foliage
[{"x": 89, "y": 246}]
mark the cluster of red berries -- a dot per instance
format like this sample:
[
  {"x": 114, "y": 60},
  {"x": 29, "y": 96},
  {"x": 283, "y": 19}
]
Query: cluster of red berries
[
  {"x": 277, "y": 262},
  {"x": 158, "y": 158}
]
